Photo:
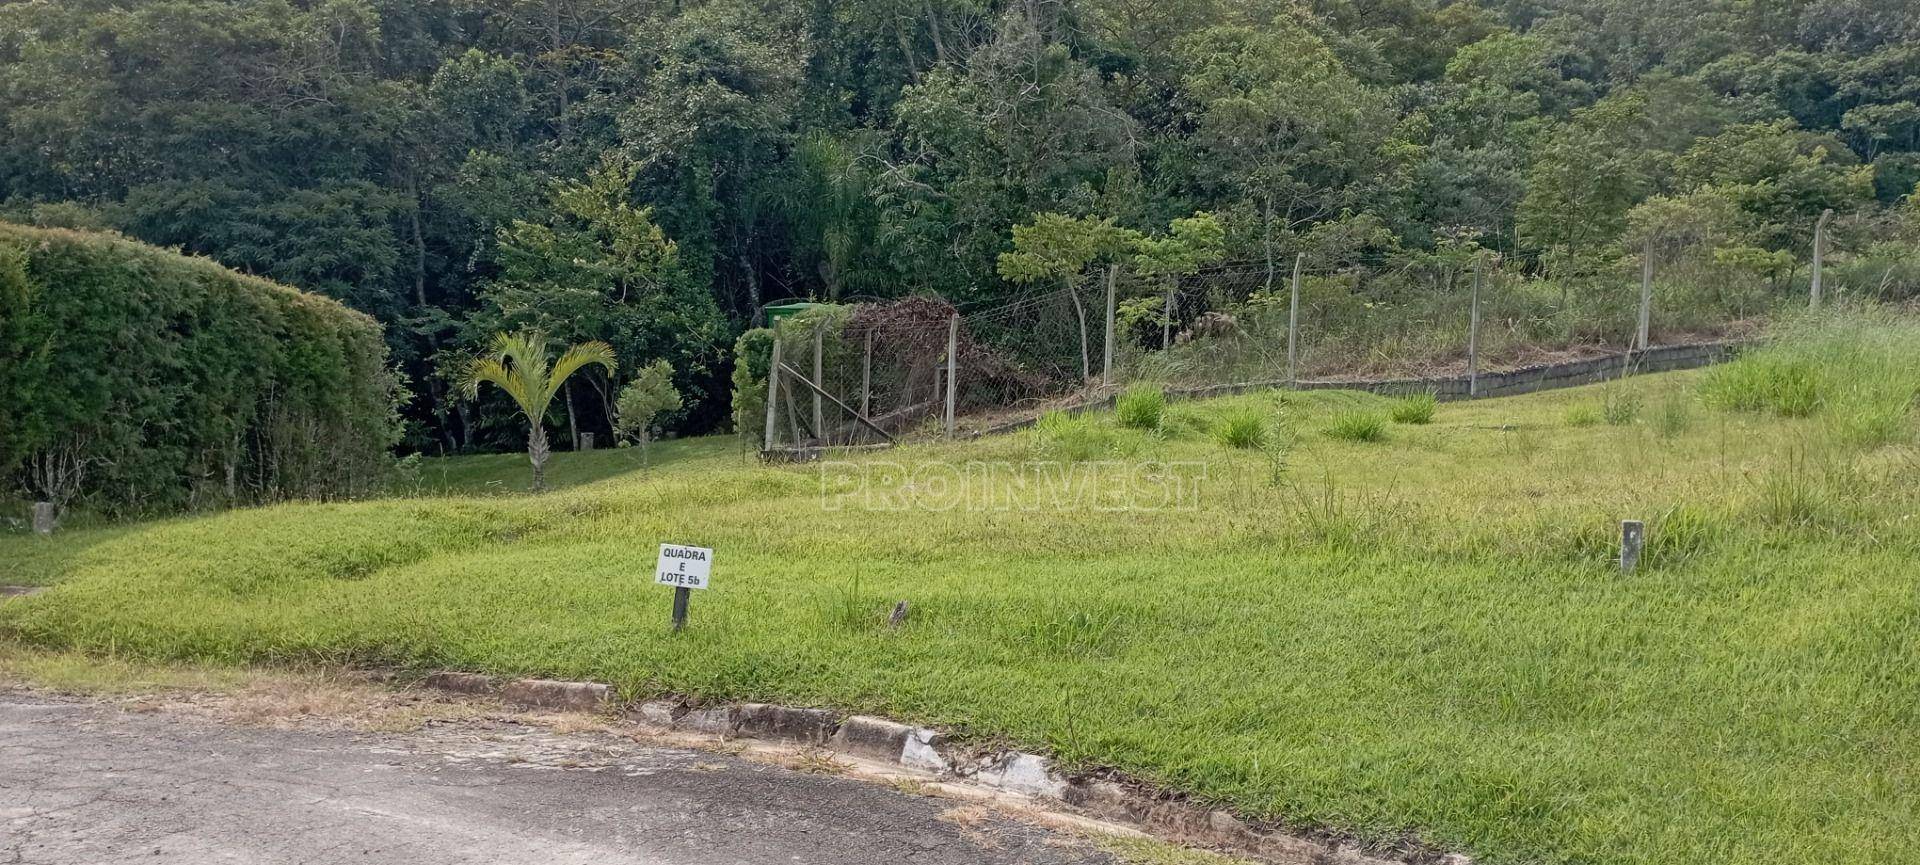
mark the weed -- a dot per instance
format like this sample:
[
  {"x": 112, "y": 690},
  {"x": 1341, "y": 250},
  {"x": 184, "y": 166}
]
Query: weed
[
  {"x": 1415, "y": 408},
  {"x": 1141, "y": 407},
  {"x": 1620, "y": 407},
  {"x": 1078, "y": 634},
  {"x": 1583, "y": 415},
  {"x": 1788, "y": 386},
  {"x": 1680, "y": 534},
  {"x": 1243, "y": 429},
  {"x": 1867, "y": 422},
  {"x": 1675, "y": 416},
  {"x": 1358, "y": 426},
  {"x": 1075, "y": 437},
  {"x": 1181, "y": 422},
  {"x": 847, "y": 608}
]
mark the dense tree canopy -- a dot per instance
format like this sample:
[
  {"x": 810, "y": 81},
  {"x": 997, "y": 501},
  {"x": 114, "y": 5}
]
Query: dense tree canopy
[{"x": 651, "y": 174}]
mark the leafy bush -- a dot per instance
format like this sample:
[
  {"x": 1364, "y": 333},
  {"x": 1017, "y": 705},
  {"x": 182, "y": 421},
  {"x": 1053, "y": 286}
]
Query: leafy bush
[
  {"x": 1358, "y": 426},
  {"x": 752, "y": 357},
  {"x": 649, "y": 395},
  {"x": 136, "y": 379},
  {"x": 1243, "y": 428},
  {"x": 1141, "y": 407},
  {"x": 1415, "y": 408},
  {"x": 1583, "y": 415}
]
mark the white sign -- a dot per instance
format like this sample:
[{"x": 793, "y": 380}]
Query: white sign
[{"x": 683, "y": 567}]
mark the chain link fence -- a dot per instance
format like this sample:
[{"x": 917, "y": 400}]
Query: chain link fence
[{"x": 870, "y": 374}]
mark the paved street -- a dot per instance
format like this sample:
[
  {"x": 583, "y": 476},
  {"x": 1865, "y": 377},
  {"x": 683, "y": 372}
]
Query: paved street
[{"x": 83, "y": 782}]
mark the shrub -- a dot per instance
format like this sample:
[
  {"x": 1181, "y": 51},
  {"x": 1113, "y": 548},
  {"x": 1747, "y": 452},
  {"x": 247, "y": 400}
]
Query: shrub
[
  {"x": 137, "y": 379},
  {"x": 649, "y": 395},
  {"x": 1358, "y": 426},
  {"x": 752, "y": 357},
  {"x": 1583, "y": 415},
  {"x": 1243, "y": 429},
  {"x": 1415, "y": 408},
  {"x": 1141, "y": 407}
]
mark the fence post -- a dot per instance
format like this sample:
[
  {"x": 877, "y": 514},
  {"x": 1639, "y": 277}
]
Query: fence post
[
  {"x": 819, "y": 420},
  {"x": 953, "y": 367},
  {"x": 1293, "y": 324},
  {"x": 1473, "y": 331},
  {"x": 1646, "y": 294},
  {"x": 1819, "y": 255},
  {"x": 773, "y": 390},
  {"x": 1106, "y": 361},
  {"x": 866, "y": 377},
  {"x": 1166, "y": 321}
]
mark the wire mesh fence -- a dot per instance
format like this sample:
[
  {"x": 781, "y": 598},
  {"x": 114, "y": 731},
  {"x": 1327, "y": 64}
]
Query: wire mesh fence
[{"x": 869, "y": 374}]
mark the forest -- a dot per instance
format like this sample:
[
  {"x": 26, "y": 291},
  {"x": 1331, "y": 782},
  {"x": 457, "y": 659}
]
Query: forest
[{"x": 652, "y": 174}]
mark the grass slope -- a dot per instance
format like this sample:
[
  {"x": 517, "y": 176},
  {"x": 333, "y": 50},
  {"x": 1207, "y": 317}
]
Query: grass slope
[{"x": 1421, "y": 636}]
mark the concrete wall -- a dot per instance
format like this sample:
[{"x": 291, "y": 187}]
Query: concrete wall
[
  {"x": 1512, "y": 382},
  {"x": 1666, "y": 358}
]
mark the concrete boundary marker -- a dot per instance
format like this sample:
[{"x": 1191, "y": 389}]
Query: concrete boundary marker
[{"x": 925, "y": 751}]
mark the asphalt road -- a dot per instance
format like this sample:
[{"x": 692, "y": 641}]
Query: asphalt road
[{"x": 83, "y": 782}]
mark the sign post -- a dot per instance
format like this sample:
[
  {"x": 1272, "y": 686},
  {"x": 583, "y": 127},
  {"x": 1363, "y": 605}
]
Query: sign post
[{"x": 684, "y": 568}]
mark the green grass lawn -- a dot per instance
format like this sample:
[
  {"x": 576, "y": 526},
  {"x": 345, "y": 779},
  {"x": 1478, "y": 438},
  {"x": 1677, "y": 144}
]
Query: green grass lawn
[
  {"x": 510, "y": 475},
  {"x": 1423, "y": 635}
]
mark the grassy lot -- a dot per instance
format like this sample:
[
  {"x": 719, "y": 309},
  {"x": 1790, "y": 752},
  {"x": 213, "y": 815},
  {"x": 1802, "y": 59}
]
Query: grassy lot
[{"x": 1387, "y": 629}]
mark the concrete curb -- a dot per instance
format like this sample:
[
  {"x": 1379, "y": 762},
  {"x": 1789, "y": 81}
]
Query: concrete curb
[{"x": 922, "y": 750}]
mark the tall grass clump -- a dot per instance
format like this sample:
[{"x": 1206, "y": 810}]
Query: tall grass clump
[
  {"x": 1620, "y": 406},
  {"x": 1074, "y": 438},
  {"x": 1769, "y": 380},
  {"x": 1856, "y": 368},
  {"x": 1675, "y": 415},
  {"x": 1243, "y": 429},
  {"x": 1415, "y": 408},
  {"x": 1141, "y": 407},
  {"x": 1358, "y": 426},
  {"x": 1583, "y": 415}
]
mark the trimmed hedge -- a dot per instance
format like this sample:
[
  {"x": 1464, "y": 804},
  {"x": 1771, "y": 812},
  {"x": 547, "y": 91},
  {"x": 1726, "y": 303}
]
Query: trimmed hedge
[{"x": 133, "y": 379}]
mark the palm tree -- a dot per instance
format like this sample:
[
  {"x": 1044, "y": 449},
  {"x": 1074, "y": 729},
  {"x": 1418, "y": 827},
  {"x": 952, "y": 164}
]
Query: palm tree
[{"x": 518, "y": 365}]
